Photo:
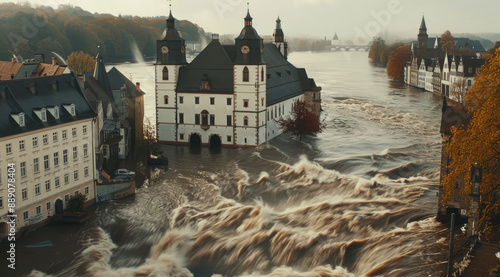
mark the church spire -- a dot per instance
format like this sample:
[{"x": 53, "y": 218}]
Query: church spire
[
  {"x": 248, "y": 18},
  {"x": 422, "y": 24},
  {"x": 170, "y": 19},
  {"x": 279, "y": 36}
]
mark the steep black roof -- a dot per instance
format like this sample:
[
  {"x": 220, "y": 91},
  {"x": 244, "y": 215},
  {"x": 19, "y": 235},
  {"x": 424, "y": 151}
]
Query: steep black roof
[
  {"x": 422, "y": 24},
  {"x": 51, "y": 91},
  {"x": 283, "y": 80},
  {"x": 117, "y": 80},
  {"x": 213, "y": 62},
  {"x": 101, "y": 76}
]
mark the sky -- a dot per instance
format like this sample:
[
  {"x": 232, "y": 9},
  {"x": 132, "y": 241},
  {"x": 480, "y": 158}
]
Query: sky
[{"x": 357, "y": 20}]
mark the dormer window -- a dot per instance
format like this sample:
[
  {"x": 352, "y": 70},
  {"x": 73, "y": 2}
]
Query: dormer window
[
  {"x": 19, "y": 118},
  {"x": 22, "y": 121},
  {"x": 56, "y": 112},
  {"x": 70, "y": 109},
  {"x": 43, "y": 115}
]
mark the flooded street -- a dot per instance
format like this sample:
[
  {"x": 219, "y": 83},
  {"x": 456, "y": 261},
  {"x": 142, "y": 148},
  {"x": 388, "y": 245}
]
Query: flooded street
[{"x": 360, "y": 199}]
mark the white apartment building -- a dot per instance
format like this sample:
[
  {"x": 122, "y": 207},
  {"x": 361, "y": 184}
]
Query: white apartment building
[{"x": 46, "y": 135}]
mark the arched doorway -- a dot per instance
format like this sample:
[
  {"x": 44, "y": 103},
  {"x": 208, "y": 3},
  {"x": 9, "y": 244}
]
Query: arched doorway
[
  {"x": 58, "y": 206},
  {"x": 195, "y": 140},
  {"x": 195, "y": 144},
  {"x": 215, "y": 144}
]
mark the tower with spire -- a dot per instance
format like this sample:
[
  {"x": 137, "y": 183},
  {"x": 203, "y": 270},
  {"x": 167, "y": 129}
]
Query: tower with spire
[
  {"x": 249, "y": 86},
  {"x": 170, "y": 57},
  {"x": 422, "y": 36},
  {"x": 279, "y": 39}
]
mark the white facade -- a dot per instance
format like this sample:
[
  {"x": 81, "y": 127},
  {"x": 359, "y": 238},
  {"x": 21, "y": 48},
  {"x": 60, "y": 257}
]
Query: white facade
[
  {"x": 428, "y": 79},
  {"x": 50, "y": 164},
  {"x": 422, "y": 74},
  {"x": 445, "y": 79}
]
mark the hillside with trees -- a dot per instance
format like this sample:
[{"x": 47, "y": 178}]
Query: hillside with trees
[{"x": 26, "y": 30}]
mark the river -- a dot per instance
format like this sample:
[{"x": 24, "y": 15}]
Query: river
[{"x": 359, "y": 199}]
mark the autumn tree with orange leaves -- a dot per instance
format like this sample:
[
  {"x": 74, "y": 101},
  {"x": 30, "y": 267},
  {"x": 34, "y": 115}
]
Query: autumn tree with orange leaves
[
  {"x": 80, "y": 62},
  {"x": 302, "y": 121},
  {"x": 397, "y": 61},
  {"x": 447, "y": 43},
  {"x": 479, "y": 142}
]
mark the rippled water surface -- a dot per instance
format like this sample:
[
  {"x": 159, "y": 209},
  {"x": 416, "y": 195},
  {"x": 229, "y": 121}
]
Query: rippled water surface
[{"x": 358, "y": 200}]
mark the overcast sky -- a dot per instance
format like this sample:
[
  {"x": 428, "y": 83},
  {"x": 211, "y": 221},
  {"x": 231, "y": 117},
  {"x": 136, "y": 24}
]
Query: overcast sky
[{"x": 351, "y": 19}]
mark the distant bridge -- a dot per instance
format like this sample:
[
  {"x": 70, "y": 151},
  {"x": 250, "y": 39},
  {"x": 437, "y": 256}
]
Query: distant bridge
[{"x": 349, "y": 47}]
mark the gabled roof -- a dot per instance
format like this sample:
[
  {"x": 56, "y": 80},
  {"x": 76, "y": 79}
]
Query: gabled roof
[
  {"x": 213, "y": 62},
  {"x": 117, "y": 81},
  {"x": 19, "y": 98},
  {"x": 473, "y": 63}
]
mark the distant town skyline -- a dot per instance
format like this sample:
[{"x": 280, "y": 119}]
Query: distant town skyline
[{"x": 355, "y": 20}]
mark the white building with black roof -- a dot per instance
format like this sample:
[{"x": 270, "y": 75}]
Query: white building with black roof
[
  {"x": 46, "y": 134},
  {"x": 229, "y": 95}
]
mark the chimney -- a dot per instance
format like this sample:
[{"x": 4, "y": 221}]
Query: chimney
[
  {"x": 215, "y": 36},
  {"x": 54, "y": 61},
  {"x": 138, "y": 86},
  {"x": 13, "y": 60}
]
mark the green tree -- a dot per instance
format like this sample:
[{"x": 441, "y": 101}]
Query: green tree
[
  {"x": 377, "y": 51},
  {"x": 76, "y": 203},
  {"x": 302, "y": 121}
]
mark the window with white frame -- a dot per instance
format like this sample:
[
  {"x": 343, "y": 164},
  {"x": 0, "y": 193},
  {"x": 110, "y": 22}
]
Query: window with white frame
[
  {"x": 25, "y": 215},
  {"x": 65, "y": 156},
  {"x": 38, "y": 210},
  {"x": 54, "y": 136},
  {"x": 75, "y": 153},
  {"x": 86, "y": 190},
  {"x": 36, "y": 168},
  {"x": 45, "y": 139},
  {"x": 64, "y": 134},
  {"x": 48, "y": 206},
  {"x": 35, "y": 141},
  {"x": 37, "y": 189},
  {"x": 75, "y": 175},
  {"x": 22, "y": 166},
  {"x": 86, "y": 171},
  {"x": 8, "y": 148},
  {"x": 85, "y": 150},
  {"x": 66, "y": 178},
  {"x": 56, "y": 159},
  {"x": 56, "y": 182},
  {"x": 24, "y": 194},
  {"x": 73, "y": 132},
  {"x": 84, "y": 129},
  {"x": 46, "y": 162},
  {"x": 21, "y": 145},
  {"x": 47, "y": 185}
]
